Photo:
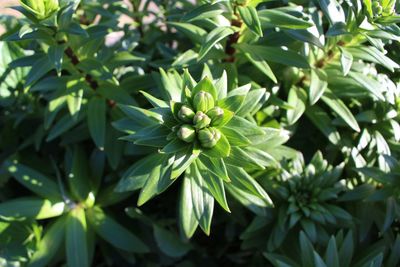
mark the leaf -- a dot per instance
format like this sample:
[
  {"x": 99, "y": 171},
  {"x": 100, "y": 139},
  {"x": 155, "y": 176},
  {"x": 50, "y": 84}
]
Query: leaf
[
  {"x": 217, "y": 166},
  {"x": 372, "y": 54},
  {"x": 30, "y": 208},
  {"x": 49, "y": 245},
  {"x": 33, "y": 180},
  {"x": 296, "y": 99},
  {"x": 169, "y": 243},
  {"x": 340, "y": 108},
  {"x": 75, "y": 90},
  {"x": 271, "y": 18},
  {"x": 142, "y": 116},
  {"x": 250, "y": 18},
  {"x": 38, "y": 70},
  {"x": 250, "y": 130},
  {"x": 212, "y": 39},
  {"x": 159, "y": 179},
  {"x": 55, "y": 54},
  {"x": 243, "y": 181},
  {"x": 306, "y": 249},
  {"x": 214, "y": 185},
  {"x": 274, "y": 54},
  {"x": 346, "y": 60},
  {"x": 113, "y": 232},
  {"x": 78, "y": 176},
  {"x": 76, "y": 239},
  {"x": 318, "y": 85},
  {"x": 96, "y": 116},
  {"x": 203, "y": 202},
  {"x": 203, "y": 12},
  {"x": 336, "y": 16},
  {"x": 193, "y": 32},
  {"x": 235, "y": 138},
  {"x": 231, "y": 103},
  {"x": 331, "y": 255},
  {"x": 187, "y": 219},
  {"x": 323, "y": 122}
]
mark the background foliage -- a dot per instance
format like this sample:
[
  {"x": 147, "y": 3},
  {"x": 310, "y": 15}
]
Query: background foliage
[{"x": 285, "y": 152}]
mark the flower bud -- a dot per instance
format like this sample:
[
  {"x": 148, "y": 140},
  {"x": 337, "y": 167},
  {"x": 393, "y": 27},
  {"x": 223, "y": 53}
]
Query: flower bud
[
  {"x": 186, "y": 133},
  {"x": 201, "y": 120},
  {"x": 216, "y": 114},
  {"x": 186, "y": 114},
  {"x": 42, "y": 9},
  {"x": 203, "y": 101},
  {"x": 209, "y": 137}
]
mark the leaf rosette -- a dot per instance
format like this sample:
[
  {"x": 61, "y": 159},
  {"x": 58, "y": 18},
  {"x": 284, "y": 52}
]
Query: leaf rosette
[{"x": 200, "y": 131}]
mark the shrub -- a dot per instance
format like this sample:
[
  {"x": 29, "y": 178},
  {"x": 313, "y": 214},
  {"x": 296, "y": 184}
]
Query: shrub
[{"x": 272, "y": 126}]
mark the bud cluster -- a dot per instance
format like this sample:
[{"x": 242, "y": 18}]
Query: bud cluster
[
  {"x": 201, "y": 120},
  {"x": 41, "y": 9}
]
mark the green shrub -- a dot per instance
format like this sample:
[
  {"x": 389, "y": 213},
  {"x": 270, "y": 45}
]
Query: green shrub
[{"x": 272, "y": 126}]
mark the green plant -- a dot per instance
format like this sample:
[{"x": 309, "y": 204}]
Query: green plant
[{"x": 104, "y": 105}]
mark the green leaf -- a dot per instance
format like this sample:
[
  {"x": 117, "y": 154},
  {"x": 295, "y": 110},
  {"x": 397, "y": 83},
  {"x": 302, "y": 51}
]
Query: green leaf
[
  {"x": 212, "y": 39},
  {"x": 372, "y": 54},
  {"x": 250, "y": 18},
  {"x": 193, "y": 32},
  {"x": 55, "y": 54},
  {"x": 76, "y": 239},
  {"x": 323, "y": 122},
  {"x": 346, "y": 60},
  {"x": 250, "y": 130},
  {"x": 318, "y": 85},
  {"x": 214, "y": 184},
  {"x": 234, "y": 137},
  {"x": 271, "y": 18},
  {"x": 136, "y": 176},
  {"x": 154, "y": 101},
  {"x": 33, "y": 180},
  {"x": 38, "y": 70},
  {"x": 142, "y": 116},
  {"x": 174, "y": 146},
  {"x": 203, "y": 202},
  {"x": 159, "y": 179},
  {"x": 75, "y": 90},
  {"x": 274, "y": 54},
  {"x": 113, "y": 232},
  {"x": 296, "y": 99},
  {"x": 231, "y": 103},
  {"x": 203, "y": 12},
  {"x": 217, "y": 166},
  {"x": 340, "y": 108},
  {"x": 253, "y": 101},
  {"x": 96, "y": 116},
  {"x": 30, "y": 208},
  {"x": 307, "y": 250},
  {"x": 49, "y": 245},
  {"x": 78, "y": 176},
  {"x": 258, "y": 61},
  {"x": 331, "y": 255},
  {"x": 243, "y": 181},
  {"x": 187, "y": 218},
  {"x": 169, "y": 243}
]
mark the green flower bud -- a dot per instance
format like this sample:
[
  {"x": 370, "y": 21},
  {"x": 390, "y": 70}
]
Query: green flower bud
[
  {"x": 209, "y": 137},
  {"x": 186, "y": 133},
  {"x": 216, "y": 114},
  {"x": 201, "y": 120},
  {"x": 42, "y": 9},
  {"x": 186, "y": 114},
  {"x": 203, "y": 101}
]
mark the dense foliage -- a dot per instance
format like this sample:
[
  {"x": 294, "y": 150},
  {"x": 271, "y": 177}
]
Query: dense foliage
[{"x": 191, "y": 133}]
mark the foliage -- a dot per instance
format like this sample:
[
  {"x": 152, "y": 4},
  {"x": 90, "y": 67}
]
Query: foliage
[{"x": 284, "y": 113}]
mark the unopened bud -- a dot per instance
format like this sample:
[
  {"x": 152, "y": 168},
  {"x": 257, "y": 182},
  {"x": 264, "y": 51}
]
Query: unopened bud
[
  {"x": 186, "y": 133},
  {"x": 203, "y": 101},
  {"x": 41, "y": 9},
  {"x": 186, "y": 114},
  {"x": 201, "y": 120},
  {"x": 209, "y": 137},
  {"x": 216, "y": 115}
]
